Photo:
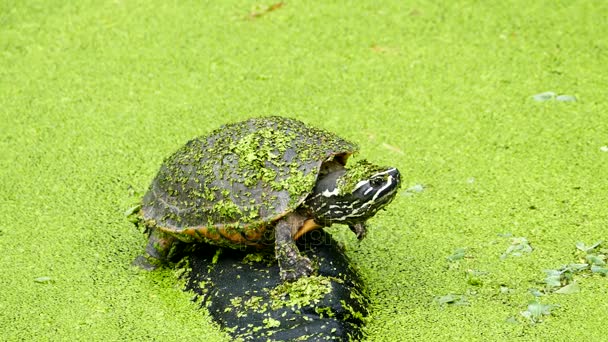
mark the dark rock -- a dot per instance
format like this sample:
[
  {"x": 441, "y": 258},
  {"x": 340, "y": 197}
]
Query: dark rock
[{"x": 244, "y": 294}]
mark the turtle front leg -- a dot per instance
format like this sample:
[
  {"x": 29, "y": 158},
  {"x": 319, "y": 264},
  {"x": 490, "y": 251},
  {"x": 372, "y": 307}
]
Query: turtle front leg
[{"x": 292, "y": 264}]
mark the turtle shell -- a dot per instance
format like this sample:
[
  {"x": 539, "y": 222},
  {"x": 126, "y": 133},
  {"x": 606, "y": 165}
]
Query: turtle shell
[{"x": 230, "y": 186}]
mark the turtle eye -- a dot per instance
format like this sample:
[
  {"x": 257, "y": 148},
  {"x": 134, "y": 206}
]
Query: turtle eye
[{"x": 376, "y": 181}]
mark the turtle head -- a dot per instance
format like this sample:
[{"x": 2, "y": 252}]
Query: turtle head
[{"x": 354, "y": 194}]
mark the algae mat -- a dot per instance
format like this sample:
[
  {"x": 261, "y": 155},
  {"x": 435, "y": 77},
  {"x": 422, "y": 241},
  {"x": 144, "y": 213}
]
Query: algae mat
[{"x": 499, "y": 186}]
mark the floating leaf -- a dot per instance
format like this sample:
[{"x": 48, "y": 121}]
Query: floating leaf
[
  {"x": 519, "y": 245},
  {"x": 505, "y": 289},
  {"x": 458, "y": 254},
  {"x": 575, "y": 268},
  {"x": 565, "y": 98},
  {"x": 452, "y": 299},
  {"x": 546, "y": 96},
  {"x": 553, "y": 278},
  {"x": 414, "y": 189},
  {"x": 550, "y": 96},
  {"x": 581, "y": 246},
  {"x": 536, "y": 311},
  {"x": 597, "y": 260},
  {"x": 44, "y": 280},
  {"x": 132, "y": 210},
  {"x": 447, "y": 299},
  {"x": 474, "y": 277},
  {"x": 598, "y": 269},
  {"x": 393, "y": 148},
  {"x": 511, "y": 320},
  {"x": 569, "y": 289}
]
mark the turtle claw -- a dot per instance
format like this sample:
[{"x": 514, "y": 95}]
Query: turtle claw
[
  {"x": 359, "y": 229},
  {"x": 302, "y": 267},
  {"x": 145, "y": 263}
]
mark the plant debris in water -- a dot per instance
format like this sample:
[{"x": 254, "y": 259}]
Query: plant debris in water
[
  {"x": 562, "y": 280},
  {"x": 44, "y": 280},
  {"x": 536, "y": 311},
  {"x": 591, "y": 259},
  {"x": 519, "y": 246},
  {"x": 452, "y": 299},
  {"x": 552, "y": 96},
  {"x": 414, "y": 189},
  {"x": 458, "y": 254},
  {"x": 261, "y": 10}
]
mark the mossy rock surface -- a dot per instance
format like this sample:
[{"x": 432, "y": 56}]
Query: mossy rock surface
[{"x": 244, "y": 294}]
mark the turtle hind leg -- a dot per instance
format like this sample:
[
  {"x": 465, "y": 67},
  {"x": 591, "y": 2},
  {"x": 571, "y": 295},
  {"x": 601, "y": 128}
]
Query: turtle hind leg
[
  {"x": 291, "y": 263},
  {"x": 159, "y": 250}
]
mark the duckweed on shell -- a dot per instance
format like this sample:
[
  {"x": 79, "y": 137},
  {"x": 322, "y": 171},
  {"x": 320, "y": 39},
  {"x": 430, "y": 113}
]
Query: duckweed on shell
[
  {"x": 239, "y": 179},
  {"x": 362, "y": 169}
]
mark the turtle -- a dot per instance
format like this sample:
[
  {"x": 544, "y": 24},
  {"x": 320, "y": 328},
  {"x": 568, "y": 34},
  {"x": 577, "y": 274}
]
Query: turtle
[{"x": 262, "y": 183}]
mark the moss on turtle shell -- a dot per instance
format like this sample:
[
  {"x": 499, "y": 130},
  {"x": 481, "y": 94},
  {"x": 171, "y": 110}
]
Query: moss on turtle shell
[
  {"x": 227, "y": 209},
  {"x": 357, "y": 171},
  {"x": 241, "y": 175}
]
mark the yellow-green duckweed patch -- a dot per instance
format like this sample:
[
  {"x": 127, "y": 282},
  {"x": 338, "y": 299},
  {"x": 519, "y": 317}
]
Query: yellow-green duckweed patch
[{"x": 94, "y": 94}]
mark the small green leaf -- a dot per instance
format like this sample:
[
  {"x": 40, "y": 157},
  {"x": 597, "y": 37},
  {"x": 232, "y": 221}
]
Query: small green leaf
[
  {"x": 569, "y": 289},
  {"x": 546, "y": 96},
  {"x": 216, "y": 256},
  {"x": 452, "y": 299},
  {"x": 519, "y": 245},
  {"x": 581, "y": 246},
  {"x": 536, "y": 311},
  {"x": 565, "y": 98},
  {"x": 132, "y": 210},
  {"x": 271, "y": 323},
  {"x": 536, "y": 292},
  {"x": 44, "y": 280},
  {"x": 598, "y": 269},
  {"x": 597, "y": 260},
  {"x": 511, "y": 320},
  {"x": 553, "y": 278},
  {"x": 505, "y": 289},
  {"x": 458, "y": 254},
  {"x": 131, "y": 213},
  {"x": 474, "y": 277},
  {"x": 447, "y": 299},
  {"x": 575, "y": 268}
]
